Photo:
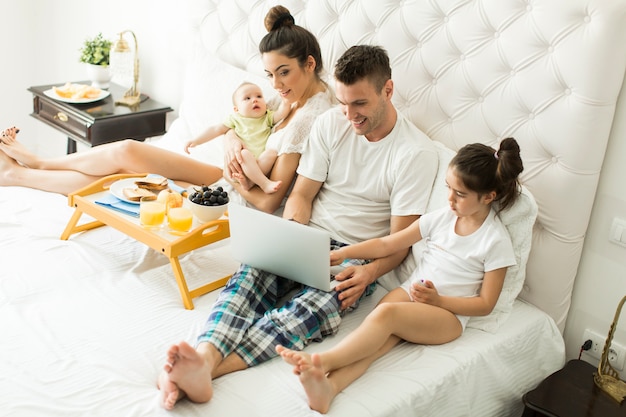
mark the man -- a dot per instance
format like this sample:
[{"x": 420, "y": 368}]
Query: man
[{"x": 366, "y": 172}]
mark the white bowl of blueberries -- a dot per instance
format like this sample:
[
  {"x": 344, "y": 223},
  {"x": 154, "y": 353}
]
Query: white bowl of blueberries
[{"x": 207, "y": 203}]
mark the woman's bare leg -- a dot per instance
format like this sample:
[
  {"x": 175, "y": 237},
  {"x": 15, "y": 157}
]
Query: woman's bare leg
[{"x": 79, "y": 169}]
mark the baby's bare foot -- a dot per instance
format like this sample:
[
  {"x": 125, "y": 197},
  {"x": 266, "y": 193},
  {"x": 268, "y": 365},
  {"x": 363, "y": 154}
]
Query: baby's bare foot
[
  {"x": 244, "y": 181},
  {"x": 189, "y": 373},
  {"x": 271, "y": 186}
]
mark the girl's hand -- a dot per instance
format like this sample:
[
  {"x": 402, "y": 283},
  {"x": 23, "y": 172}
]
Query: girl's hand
[
  {"x": 425, "y": 292},
  {"x": 336, "y": 258}
]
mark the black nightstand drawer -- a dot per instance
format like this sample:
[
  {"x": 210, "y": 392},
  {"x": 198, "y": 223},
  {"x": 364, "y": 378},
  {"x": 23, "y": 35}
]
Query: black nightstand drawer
[
  {"x": 101, "y": 121},
  {"x": 62, "y": 118}
]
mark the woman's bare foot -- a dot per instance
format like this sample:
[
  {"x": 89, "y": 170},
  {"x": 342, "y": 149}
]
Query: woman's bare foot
[
  {"x": 187, "y": 373},
  {"x": 9, "y": 170},
  {"x": 10, "y": 146},
  {"x": 317, "y": 386},
  {"x": 9, "y": 134}
]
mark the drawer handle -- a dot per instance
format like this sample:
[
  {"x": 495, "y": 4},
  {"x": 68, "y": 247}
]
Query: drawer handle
[{"x": 61, "y": 116}]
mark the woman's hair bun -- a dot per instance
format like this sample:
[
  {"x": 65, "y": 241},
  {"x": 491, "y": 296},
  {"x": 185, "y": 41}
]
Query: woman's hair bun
[{"x": 277, "y": 17}]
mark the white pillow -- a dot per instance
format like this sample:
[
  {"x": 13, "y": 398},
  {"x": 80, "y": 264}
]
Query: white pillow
[{"x": 518, "y": 220}]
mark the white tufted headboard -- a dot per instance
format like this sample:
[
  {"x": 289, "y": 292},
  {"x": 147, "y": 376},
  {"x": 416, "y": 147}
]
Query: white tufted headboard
[{"x": 547, "y": 72}]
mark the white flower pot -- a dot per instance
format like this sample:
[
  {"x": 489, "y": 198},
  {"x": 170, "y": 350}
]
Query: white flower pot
[{"x": 99, "y": 75}]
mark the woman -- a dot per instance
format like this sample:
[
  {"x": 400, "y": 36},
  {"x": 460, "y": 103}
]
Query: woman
[{"x": 293, "y": 64}]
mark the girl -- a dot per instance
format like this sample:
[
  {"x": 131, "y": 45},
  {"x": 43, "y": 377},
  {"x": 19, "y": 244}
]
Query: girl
[{"x": 459, "y": 275}]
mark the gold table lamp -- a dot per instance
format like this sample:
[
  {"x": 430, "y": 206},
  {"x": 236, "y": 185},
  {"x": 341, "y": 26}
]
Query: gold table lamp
[
  {"x": 120, "y": 47},
  {"x": 607, "y": 378}
]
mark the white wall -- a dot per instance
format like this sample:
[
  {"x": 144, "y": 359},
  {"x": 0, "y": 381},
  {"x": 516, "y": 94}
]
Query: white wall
[{"x": 40, "y": 42}]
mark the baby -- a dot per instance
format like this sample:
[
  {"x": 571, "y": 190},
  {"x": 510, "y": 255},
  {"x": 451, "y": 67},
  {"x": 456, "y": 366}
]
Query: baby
[{"x": 252, "y": 121}]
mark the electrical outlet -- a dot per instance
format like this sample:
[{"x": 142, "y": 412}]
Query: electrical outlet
[{"x": 617, "y": 352}]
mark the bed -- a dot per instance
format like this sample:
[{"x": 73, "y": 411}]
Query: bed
[{"x": 85, "y": 323}]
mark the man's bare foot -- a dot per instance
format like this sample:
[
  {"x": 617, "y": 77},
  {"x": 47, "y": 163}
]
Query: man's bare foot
[
  {"x": 187, "y": 374},
  {"x": 10, "y": 146},
  {"x": 171, "y": 392}
]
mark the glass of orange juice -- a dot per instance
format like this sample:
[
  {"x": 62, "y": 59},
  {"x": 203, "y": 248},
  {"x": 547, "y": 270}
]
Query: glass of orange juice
[
  {"x": 179, "y": 219},
  {"x": 151, "y": 213}
]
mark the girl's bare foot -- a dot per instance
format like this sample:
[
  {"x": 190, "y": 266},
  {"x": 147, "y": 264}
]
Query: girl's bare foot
[
  {"x": 316, "y": 384},
  {"x": 187, "y": 373},
  {"x": 10, "y": 146}
]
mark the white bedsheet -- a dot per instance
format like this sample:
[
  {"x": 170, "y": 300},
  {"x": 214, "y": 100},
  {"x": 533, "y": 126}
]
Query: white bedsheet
[{"x": 85, "y": 324}]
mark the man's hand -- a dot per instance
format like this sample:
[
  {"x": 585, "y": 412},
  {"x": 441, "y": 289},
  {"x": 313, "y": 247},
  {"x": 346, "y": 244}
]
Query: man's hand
[{"x": 352, "y": 283}]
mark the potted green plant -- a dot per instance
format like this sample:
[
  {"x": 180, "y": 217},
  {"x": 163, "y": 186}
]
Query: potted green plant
[{"x": 95, "y": 54}]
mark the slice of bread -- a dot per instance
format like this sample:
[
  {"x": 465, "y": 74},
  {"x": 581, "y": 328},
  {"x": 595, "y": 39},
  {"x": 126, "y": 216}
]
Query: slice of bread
[
  {"x": 135, "y": 194},
  {"x": 152, "y": 183}
]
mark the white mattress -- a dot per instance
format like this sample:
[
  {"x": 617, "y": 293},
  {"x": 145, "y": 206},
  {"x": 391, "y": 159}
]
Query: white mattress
[{"x": 85, "y": 324}]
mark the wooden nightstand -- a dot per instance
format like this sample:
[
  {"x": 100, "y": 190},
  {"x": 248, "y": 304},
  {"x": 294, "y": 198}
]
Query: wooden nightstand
[
  {"x": 571, "y": 392},
  {"x": 102, "y": 121}
]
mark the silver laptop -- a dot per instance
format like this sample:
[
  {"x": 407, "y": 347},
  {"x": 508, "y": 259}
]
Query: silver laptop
[{"x": 285, "y": 248}]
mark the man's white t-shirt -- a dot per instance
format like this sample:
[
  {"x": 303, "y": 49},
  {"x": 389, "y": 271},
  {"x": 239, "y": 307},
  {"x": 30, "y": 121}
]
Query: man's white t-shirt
[{"x": 365, "y": 183}]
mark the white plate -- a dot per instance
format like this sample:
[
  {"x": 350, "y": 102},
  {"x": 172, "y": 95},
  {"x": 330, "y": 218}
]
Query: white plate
[
  {"x": 117, "y": 188},
  {"x": 53, "y": 95}
]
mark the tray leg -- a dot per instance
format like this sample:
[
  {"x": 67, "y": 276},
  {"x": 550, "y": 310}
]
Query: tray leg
[
  {"x": 182, "y": 284},
  {"x": 71, "y": 227}
]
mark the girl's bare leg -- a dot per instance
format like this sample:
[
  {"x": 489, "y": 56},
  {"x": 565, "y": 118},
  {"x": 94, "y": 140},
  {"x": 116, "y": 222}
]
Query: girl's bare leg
[
  {"x": 71, "y": 172},
  {"x": 394, "y": 319},
  {"x": 255, "y": 171}
]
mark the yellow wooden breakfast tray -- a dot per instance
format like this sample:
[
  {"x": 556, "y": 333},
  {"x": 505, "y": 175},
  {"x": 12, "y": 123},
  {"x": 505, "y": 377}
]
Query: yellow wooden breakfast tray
[{"x": 172, "y": 246}]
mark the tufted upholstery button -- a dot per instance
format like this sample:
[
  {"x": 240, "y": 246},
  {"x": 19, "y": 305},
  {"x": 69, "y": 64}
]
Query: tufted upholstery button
[
  {"x": 496, "y": 35},
  {"x": 480, "y": 99},
  {"x": 550, "y": 49},
  {"x": 587, "y": 19},
  {"x": 446, "y": 19},
  {"x": 434, "y": 81},
  {"x": 529, "y": 7},
  {"x": 568, "y": 91},
  {"x": 449, "y": 119},
  {"x": 513, "y": 72},
  {"x": 462, "y": 57},
  {"x": 555, "y": 159},
  {"x": 531, "y": 116},
  {"x": 418, "y": 44}
]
